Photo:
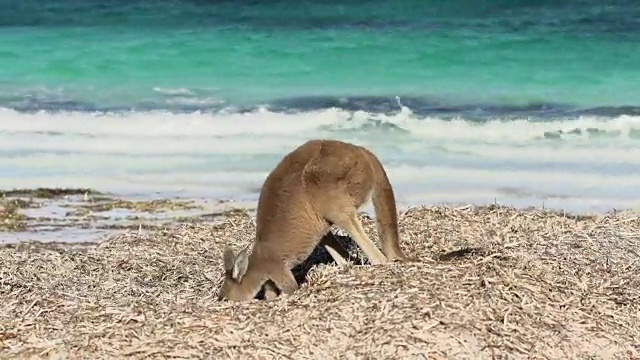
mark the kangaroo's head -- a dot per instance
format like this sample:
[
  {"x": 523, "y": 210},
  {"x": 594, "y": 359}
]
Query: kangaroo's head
[{"x": 235, "y": 267}]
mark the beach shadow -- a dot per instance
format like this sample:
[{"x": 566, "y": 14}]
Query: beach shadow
[
  {"x": 460, "y": 253},
  {"x": 321, "y": 256}
]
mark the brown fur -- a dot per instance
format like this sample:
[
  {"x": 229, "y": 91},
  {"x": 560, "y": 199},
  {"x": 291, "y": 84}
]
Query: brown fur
[{"x": 320, "y": 183}]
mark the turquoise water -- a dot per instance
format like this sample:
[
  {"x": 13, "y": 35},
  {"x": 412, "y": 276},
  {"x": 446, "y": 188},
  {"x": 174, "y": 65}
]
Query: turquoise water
[
  {"x": 527, "y": 101},
  {"x": 100, "y": 54}
]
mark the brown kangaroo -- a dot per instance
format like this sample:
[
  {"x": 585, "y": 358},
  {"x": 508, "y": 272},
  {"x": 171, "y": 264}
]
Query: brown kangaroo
[{"x": 318, "y": 184}]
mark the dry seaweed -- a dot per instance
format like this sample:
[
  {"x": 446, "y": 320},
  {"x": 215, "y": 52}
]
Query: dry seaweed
[
  {"x": 96, "y": 212},
  {"x": 150, "y": 206},
  {"x": 10, "y": 217},
  {"x": 47, "y": 193},
  {"x": 493, "y": 282}
]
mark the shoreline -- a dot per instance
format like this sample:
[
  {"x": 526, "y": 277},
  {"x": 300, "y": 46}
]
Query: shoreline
[
  {"x": 84, "y": 215},
  {"x": 490, "y": 281},
  {"x": 69, "y": 215}
]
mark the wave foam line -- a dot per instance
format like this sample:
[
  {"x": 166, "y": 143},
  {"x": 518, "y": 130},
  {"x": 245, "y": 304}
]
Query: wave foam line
[
  {"x": 160, "y": 124},
  {"x": 157, "y": 154}
]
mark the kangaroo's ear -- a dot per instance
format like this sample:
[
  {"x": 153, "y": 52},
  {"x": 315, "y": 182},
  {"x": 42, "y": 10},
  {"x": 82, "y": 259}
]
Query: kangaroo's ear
[
  {"x": 240, "y": 265},
  {"x": 228, "y": 258}
]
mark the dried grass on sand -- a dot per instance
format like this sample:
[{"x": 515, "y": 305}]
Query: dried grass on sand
[{"x": 540, "y": 285}]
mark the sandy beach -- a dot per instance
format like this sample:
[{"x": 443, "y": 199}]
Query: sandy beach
[
  {"x": 492, "y": 282},
  {"x": 136, "y": 137}
]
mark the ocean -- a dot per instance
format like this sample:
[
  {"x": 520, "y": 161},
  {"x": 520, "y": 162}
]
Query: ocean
[{"x": 524, "y": 103}]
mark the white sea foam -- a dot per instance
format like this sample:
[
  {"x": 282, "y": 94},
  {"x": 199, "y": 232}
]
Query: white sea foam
[
  {"x": 172, "y": 92},
  {"x": 584, "y": 164}
]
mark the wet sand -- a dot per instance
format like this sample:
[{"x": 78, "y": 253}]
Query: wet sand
[{"x": 86, "y": 215}]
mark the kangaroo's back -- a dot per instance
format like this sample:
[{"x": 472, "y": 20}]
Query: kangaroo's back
[{"x": 281, "y": 196}]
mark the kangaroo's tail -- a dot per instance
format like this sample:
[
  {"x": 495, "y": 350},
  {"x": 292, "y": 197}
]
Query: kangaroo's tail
[{"x": 384, "y": 203}]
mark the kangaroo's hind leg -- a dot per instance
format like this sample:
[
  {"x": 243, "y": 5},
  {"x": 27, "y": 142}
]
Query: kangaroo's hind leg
[
  {"x": 348, "y": 220},
  {"x": 337, "y": 183}
]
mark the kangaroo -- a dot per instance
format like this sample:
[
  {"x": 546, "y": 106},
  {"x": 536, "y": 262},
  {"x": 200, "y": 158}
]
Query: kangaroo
[{"x": 317, "y": 185}]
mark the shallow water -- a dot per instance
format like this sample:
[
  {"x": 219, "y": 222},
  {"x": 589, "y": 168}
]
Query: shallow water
[{"x": 76, "y": 219}]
